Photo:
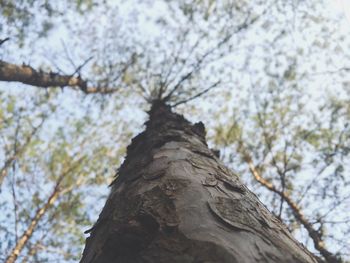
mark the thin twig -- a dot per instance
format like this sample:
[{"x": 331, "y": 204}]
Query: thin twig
[
  {"x": 19, "y": 151},
  {"x": 2, "y": 41},
  {"x": 78, "y": 69},
  {"x": 314, "y": 234},
  {"x": 13, "y": 183},
  {"x": 67, "y": 54},
  {"x": 197, "y": 95}
]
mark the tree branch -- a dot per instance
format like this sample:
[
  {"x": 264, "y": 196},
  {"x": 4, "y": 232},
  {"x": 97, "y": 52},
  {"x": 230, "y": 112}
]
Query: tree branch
[
  {"x": 2, "y": 41},
  {"x": 196, "y": 96},
  {"x": 315, "y": 235},
  {"x": 57, "y": 191},
  {"x": 18, "y": 151},
  {"x": 28, "y": 75}
]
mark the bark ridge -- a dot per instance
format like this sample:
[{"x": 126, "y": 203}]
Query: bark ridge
[{"x": 174, "y": 201}]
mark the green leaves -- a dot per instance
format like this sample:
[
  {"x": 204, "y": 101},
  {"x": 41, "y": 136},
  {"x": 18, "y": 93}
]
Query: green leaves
[
  {"x": 271, "y": 60},
  {"x": 54, "y": 149},
  {"x": 225, "y": 135},
  {"x": 298, "y": 147}
]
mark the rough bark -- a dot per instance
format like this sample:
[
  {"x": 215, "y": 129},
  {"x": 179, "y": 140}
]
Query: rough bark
[{"x": 174, "y": 201}]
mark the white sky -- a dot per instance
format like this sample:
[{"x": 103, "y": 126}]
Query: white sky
[
  {"x": 341, "y": 6},
  {"x": 344, "y": 6}
]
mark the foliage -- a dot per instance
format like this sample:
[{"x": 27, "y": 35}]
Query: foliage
[
  {"x": 302, "y": 150},
  {"x": 272, "y": 77},
  {"x": 41, "y": 149}
]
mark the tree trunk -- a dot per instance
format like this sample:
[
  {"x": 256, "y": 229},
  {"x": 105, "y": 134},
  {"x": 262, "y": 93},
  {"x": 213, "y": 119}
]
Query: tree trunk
[{"x": 174, "y": 201}]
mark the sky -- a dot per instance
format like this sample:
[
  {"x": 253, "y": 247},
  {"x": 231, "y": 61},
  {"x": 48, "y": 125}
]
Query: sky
[{"x": 342, "y": 6}]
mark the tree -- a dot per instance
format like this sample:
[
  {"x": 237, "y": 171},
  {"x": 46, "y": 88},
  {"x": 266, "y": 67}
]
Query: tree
[
  {"x": 102, "y": 58},
  {"x": 275, "y": 148},
  {"x": 46, "y": 192},
  {"x": 174, "y": 201}
]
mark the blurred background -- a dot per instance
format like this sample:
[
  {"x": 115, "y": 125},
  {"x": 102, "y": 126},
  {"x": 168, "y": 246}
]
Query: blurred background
[{"x": 270, "y": 80}]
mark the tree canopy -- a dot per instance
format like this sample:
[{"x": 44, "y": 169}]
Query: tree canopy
[{"x": 269, "y": 78}]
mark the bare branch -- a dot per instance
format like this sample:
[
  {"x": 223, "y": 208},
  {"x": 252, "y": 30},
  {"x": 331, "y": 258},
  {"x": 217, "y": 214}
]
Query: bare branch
[
  {"x": 28, "y": 75},
  {"x": 78, "y": 69},
  {"x": 197, "y": 95},
  {"x": 2, "y": 41},
  {"x": 68, "y": 56},
  {"x": 13, "y": 183},
  {"x": 315, "y": 235},
  {"x": 198, "y": 65}
]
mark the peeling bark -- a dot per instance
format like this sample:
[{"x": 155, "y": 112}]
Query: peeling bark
[{"x": 174, "y": 201}]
